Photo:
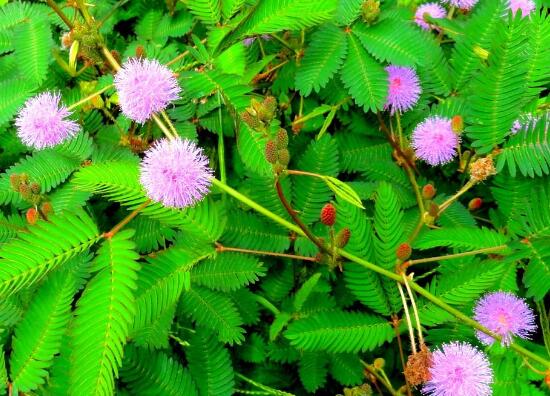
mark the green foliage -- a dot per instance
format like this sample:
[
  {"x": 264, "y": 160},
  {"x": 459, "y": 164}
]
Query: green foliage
[
  {"x": 54, "y": 242},
  {"x": 323, "y": 58},
  {"x": 105, "y": 291},
  {"x": 103, "y": 317},
  {"x": 210, "y": 365},
  {"x": 148, "y": 373},
  {"x": 339, "y": 331},
  {"x": 364, "y": 78}
]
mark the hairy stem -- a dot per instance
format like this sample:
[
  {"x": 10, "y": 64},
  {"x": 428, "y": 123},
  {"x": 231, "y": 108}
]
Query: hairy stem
[
  {"x": 53, "y": 5},
  {"x": 544, "y": 325},
  {"x": 448, "y": 202},
  {"x": 415, "y": 311},
  {"x": 221, "y": 145},
  {"x": 377, "y": 375},
  {"x": 408, "y": 318}
]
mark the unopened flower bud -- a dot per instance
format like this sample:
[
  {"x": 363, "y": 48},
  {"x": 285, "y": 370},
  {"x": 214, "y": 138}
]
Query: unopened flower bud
[
  {"x": 269, "y": 106},
  {"x": 457, "y": 124},
  {"x": 370, "y": 10},
  {"x": 140, "y": 52},
  {"x": 475, "y": 204},
  {"x": 433, "y": 209},
  {"x": 282, "y": 139},
  {"x": 482, "y": 168},
  {"x": 271, "y": 152},
  {"x": 328, "y": 214},
  {"x": 403, "y": 251},
  {"x": 342, "y": 238},
  {"x": 35, "y": 188},
  {"x": 428, "y": 191},
  {"x": 15, "y": 181},
  {"x": 32, "y": 216},
  {"x": 284, "y": 157},
  {"x": 379, "y": 363},
  {"x": 47, "y": 208}
]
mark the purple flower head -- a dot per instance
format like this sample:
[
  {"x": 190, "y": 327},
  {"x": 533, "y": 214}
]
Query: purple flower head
[
  {"x": 250, "y": 40},
  {"x": 526, "y": 7},
  {"x": 42, "y": 122},
  {"x": 145, "y": 87},
  {"x": 516, "y": 126},
  {"x": 462, "y": 4},
  {"x": 504, "y": 314},
  {"x": 404, "y": 88},
  {"x": 434, "y": 141},
  {"x": 459, "y": 369},
  {"x": 176, "y": 173},
  {"x": 434, "y": 10}
]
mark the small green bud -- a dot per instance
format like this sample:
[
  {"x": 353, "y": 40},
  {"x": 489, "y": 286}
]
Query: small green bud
[
  {"x": 284, "y": 157},
  {"x": 282, "y": 139}
]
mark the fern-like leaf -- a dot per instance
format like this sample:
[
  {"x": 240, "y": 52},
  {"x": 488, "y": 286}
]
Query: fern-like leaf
[
  {"x": 210, "y": 365},
  {"x": 499, "y": 89},
  {"x": 338, "y": 331},
  {"x": 271, "y": 16},
  {"x": 393, "y": 41},
  {"x": 364, "y": 78},
  {"x": 103, "y": 317},
  {"x": 227, "y": 271},
  {"x": 38, "y": 336},
  {"x": 150, "y": 373},
  {"x": 54, "y": 242},
  {"x": 207, "y": 11},
  {"x": 215, "y": 311},
  {"x": 32, "y": 41},
  {"x": 388, "y": 225},
  {"x": 251, "y": 145},
  {"x": 323, "y": 58},
  {"x": 461, "y": 238},
  {"x": 313, "y": 370},
  {"x": 13, "y": 94}
]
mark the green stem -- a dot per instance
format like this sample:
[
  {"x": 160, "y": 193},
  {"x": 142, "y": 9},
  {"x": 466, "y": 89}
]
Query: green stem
[
  {"x": 373, "y": 267},
  {"x": 399, "y": 129},
  {"x": 220, "y": 248},
  {"x": 456, "y": 255},
  {"x": 162, "y": 127},
  {"x": 89, "y": 97},
  {"x": 448, "y": 202},
  {"x": 169, "y": 123},
  {"x": 53, "y": 5},
  {"x": 544, "y": 325},
  {"x": 221, "y": 145},
  {"x": 263, "y": 387},
  {"x": 380, "y": 378}
]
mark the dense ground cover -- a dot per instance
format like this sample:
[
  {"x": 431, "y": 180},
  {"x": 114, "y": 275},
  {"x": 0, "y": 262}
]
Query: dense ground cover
[{"x": 274, "y": 197}]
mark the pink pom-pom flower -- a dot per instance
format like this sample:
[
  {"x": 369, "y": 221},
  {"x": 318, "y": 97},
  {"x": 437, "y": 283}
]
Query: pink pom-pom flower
[
  {"x": 434, "y": 140},
  {"x": 175, "y": 173},
  {"x": 43, "y": 121},
  {"x": 506, "y": 315},
  {"x": 404, "y": 88},
  {"x": 526, "y": 7},
  {"x": 462, "y": 4},
  {"x": 434, "y": 10},
  {"x": 144, "y": 88},
  {"x": 459, "y": 369}
]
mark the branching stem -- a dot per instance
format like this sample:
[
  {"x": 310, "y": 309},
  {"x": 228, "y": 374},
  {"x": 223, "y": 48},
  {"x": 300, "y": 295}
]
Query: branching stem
[
  {"x": 220, "y": 248},
  {"x": 126, "y": 220}
]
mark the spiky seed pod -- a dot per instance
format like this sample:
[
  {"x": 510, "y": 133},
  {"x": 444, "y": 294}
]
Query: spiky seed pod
[
  {"x": 35, "y": 188},
  {"x": 403, "y": 251},
  {"x": 482, "y": 168},
  {"x": 328, "y": 214},
  {"x": 428, "y": 191},
  {"x": 252, "y": 121},
  {"x": 417, "y": 369},
  {"x": 32, "y": 216},
  {"x": 342, "y": 238},
  {"x": 25, "y": 190},
  {"x": 284, "y": 157},
  {"x": 475, "y": 204},
  {"x": 15, "y": 181},
  {"x": 269, "y": 106},
  {"x": 271, "y": 152},
  {"x": 282, "y": 139}
]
